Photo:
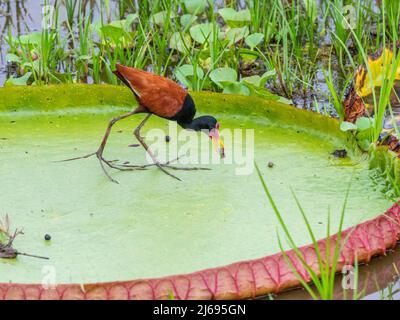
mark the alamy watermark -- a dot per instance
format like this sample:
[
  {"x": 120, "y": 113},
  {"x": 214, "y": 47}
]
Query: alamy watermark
[
  {"x": 194, "y": 148},
  {"x": 49, "y": 277}
]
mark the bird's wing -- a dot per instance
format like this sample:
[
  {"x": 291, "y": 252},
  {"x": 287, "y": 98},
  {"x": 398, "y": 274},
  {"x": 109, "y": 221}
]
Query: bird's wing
[{"x": 159, "y": 95}]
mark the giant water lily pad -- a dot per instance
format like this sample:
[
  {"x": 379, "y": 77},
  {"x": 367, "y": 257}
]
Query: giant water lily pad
[{"x": 150, "y": 225}]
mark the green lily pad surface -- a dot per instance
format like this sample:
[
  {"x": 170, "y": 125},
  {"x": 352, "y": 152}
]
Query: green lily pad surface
[{"x": 150, "y": 225}]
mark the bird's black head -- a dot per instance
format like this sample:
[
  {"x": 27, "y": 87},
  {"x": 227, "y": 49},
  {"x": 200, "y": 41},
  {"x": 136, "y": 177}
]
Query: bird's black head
[
  {"x": 204, "y": 123},
  {"x": 210, "y": 126}
]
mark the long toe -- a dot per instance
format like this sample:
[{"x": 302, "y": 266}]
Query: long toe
[
  {"x": 168, "y": 173},
  {"x": 185, "y": 168}
]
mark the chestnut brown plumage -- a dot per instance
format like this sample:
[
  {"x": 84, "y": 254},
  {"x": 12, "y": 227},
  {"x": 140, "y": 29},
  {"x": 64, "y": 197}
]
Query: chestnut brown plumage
[
  {"x": 162, "y": 97},
  {"x": 157, "y": 94}
]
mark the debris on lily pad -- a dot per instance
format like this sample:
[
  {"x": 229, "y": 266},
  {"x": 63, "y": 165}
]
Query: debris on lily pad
[
  {"x": 342, "y": 153},
  {"x": 7, "y": 251}
]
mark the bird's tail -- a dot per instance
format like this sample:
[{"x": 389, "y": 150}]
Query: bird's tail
[{"x": 133, "y": 78}]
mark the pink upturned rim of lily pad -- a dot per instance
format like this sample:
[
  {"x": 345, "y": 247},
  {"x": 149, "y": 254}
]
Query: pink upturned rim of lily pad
[{"x": 240, "y": 280}]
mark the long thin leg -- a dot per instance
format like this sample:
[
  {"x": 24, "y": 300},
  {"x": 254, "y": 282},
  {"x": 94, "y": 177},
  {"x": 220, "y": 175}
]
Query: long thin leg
[
  {"x": 100, "y": 150},
  {"x": 146, "y": 147},
  {"x": 109, "y": 127}
]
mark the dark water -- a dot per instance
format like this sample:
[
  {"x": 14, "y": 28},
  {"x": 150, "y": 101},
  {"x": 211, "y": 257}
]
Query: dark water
[{"x": 379, "y": 279}]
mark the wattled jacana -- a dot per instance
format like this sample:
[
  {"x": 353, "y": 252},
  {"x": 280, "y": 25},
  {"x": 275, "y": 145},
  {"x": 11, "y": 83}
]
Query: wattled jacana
[{"x": 166, "y": 99}]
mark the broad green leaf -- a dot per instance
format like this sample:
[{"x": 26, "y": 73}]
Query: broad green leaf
[
  {"x": 187, "y": 20},
  {"x": 253, "y": 80},
  {"x": 187, "y": 70},
  {"x": 254, "y": 39},
  {"x": 180, "y": 42},
  {"x": 259, "y": 81},
  {"x": 10, "y": 57},
  {"x": 21, "y": 81},
  {"x": 364, "y": 144},
  {"x": 236, "y": 34},
  {"x": 34, "y": 38},
  {"x": 347, "y": 126},
  {"x": 117, "y": 31},
  {"x": 223, "y": 76},
  {"x": 182, "y": 78},
  {"x": 185, "y": 73},
  {"x": 363, "y": 123},
  {"x": 202, "y": 32},
  {"x": 365, "y": 134},
  {"x": 235, "y": 18},
  {"x": 125, "y": 23},
  {"x": 195, "y": 6},
  {"x": 236, "y": 88},
  {"x": 247, "y": 55},
  {"x": 115, "y": 34},
  {"x": 130, "y": 18},
  {"x": 159, "y": 18}
]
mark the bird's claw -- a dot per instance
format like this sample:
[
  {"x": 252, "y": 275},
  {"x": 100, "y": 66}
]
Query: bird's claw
[
  {"x": 102, "y": 160},
  {"x": 165, "y": 165},
  {"x": 129, "y": 167}
]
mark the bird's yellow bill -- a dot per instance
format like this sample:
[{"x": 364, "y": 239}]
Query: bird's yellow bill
[
  {"x": 217, "y": 142},
  {"x": 219, "y": 147}
]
